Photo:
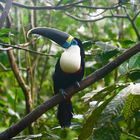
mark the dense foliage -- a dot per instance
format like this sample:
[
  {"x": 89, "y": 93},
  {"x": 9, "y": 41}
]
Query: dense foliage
[{"x": 106, "y": 110}]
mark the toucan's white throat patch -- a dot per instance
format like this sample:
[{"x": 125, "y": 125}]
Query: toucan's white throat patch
[{"x": 70, "y": 60}]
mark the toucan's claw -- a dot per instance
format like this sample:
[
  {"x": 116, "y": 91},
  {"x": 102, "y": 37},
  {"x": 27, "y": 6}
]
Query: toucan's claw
[
  {"x": 77, "y": 84},
  {"x": 63, "y": 93}
]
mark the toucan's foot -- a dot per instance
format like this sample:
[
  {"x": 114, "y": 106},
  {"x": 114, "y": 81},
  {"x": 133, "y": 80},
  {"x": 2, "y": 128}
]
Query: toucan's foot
[
  {"x": 63, "y": 93},
  {"x": 77, "y": 84}
]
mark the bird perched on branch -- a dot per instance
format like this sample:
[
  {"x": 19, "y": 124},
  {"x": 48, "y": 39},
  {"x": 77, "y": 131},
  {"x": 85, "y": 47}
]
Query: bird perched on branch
[{"x": 69, "y": 69}]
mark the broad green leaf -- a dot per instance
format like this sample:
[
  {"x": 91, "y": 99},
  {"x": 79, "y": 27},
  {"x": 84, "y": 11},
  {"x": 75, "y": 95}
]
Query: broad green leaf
[
  {"x": 132, "y": 103},
  {"x": 123, "y": 68},
  {"x": 105, "y": 46},
  {"x": 91, "y": 120},
  {"x": 99, "y": 95},
  {"x": 134, "y": 75},
  {"x": 126, "y": 43},
  {"x": 4, "y": 32},
  {"x": 4, "y": 59},
  {"x": 4, "y": 35},
  {"x": 103, "y": 124},
  {"x": 105, "y": 56},
  {"x": 88, "y": 44},
  {"x": 134, "y": 62}
]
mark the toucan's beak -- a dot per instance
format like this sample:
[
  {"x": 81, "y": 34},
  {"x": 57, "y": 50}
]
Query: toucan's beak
[{"x": 61, "y": 38}]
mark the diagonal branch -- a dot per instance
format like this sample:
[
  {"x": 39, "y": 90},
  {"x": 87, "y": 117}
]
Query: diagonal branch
[
  {"x": 97, "y": 75},
  {"x": 20, "y": 80}
]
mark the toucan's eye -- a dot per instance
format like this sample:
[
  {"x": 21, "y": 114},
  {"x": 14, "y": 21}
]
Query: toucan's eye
[{"x": 74, "y": 42}]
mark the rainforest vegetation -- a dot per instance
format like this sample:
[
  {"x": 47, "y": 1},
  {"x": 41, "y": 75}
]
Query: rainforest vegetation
[{"x": 107, "y": 103}]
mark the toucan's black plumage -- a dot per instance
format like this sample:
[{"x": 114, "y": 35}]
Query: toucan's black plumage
[{"x": 63, "y": 79}]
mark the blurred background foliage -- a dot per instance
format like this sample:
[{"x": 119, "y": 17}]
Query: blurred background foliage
[{"x": 106, "y": 110}]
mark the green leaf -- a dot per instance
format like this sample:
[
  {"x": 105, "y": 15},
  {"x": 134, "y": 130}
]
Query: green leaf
[
  {"x": 132, "y": 103},
  {"x": 123, "y": 68},
  {"x": 127, "y": 43},
  {"x": 105, "y": 46},
  {"x": 4, "y": 32},
  {"x": 99, "y": 95},
  {"x": 134, "y": 62},
  {"x": 90, "y": 122},
  {"x": 88, "y": 43},
  {"x": 4, "y": 58},
  {"x": 134, "y": 75},
  {"x": 4, "y": 35},
  {"x": 102, "y": 122},
  {"x": 105, "y": 56}
]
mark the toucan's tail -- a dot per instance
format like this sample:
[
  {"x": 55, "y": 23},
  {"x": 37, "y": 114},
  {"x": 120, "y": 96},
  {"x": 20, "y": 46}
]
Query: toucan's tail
[{"x": 64, "y": 113}]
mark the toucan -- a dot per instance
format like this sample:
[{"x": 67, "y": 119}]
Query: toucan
[{"x": 69, "y": 68}]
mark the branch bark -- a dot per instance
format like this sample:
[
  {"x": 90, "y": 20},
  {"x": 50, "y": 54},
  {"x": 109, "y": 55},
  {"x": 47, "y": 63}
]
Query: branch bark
[
  {"x": 20, "y": 80},
  {"x": 24, "y": 87},
  {"x": 21, "y": 47},
  {"x": 64, "y": 7},
  {"x": 97, "y": 75},
  {"x": 5, "y": 12},
  {"x": 94, "y": 20}
]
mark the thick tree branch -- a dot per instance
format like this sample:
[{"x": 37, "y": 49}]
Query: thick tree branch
[
  {"x": 97, "y": 75},
  {"x": 5, "y": 12}
]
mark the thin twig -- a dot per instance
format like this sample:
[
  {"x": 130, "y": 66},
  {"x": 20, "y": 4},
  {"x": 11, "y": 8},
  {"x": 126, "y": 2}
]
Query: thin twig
[
  {"x": 6, "y": 49},
  {"x": 131, "y": 135},
  {"x": 132, "y": 21},
  {"x": 46, "y": 7},
  {"x": 134, "y": 18},
  {"x": 21, "y": 48},
  {"x": 98, "y": 7},
  {"x": 97, "y": 19},
  {"x": 4, "y": 68},
  {"x": 27, "y": 43}
]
